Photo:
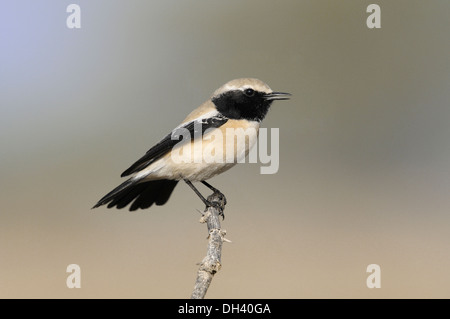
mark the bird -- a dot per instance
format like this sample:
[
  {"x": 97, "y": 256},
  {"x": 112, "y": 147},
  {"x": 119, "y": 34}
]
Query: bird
[{"x": 238, "y": 104}]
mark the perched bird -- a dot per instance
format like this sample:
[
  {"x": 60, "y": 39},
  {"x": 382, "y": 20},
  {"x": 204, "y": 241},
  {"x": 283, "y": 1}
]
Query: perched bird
[{"x": 241, "y": 103}]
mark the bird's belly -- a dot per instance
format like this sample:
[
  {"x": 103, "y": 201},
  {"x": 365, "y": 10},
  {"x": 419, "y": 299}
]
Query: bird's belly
[
  {"x": 215, "y": 153},
  {"x": 199, "y": 171}
]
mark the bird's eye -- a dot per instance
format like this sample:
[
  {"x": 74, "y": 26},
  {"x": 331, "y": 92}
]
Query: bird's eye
[{"x": 249, "y": 92}]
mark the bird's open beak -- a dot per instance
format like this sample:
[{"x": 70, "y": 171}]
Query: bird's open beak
[{"x": 277, "y": 96}]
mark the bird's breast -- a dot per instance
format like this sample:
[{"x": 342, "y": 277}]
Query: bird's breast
[{"x": 217, "y": 151}]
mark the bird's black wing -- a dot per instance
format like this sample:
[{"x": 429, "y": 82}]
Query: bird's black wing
[{"x": 172, "y": 139}]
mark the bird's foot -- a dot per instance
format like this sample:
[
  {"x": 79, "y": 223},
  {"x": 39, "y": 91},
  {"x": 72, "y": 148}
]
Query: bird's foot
[
  {"x": 221, "y": 197},
  {"x": 218, "y": 201}
]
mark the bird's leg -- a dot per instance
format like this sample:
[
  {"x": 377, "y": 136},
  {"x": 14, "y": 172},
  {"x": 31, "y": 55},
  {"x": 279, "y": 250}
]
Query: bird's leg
[
  {"x": 219, "y": 204},
  {"x": 216, "y": 191},
  {"x": 204, "y": 200}
]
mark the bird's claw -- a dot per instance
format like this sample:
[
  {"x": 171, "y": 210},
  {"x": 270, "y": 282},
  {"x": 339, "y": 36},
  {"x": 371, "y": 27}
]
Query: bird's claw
[
  {"x": 221, "y": 197},
  {"x": 218, "y": 201}
]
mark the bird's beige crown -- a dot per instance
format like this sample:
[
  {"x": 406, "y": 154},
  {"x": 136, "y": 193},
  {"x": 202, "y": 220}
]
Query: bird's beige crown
[{"x": 243, "y": 84}]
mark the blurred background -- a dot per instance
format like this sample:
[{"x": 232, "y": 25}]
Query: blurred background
[{"x": 364, "y": 172}]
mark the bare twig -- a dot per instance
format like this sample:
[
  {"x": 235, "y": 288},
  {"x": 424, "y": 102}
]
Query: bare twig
[{"x": 211, "y": 263}]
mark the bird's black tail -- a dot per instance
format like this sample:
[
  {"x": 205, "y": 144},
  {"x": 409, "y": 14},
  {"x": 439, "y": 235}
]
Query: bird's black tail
[{"x": 144, "y": 194}]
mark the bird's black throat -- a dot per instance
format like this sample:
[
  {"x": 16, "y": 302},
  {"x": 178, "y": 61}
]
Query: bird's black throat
[{"x": 237, "y": 105}]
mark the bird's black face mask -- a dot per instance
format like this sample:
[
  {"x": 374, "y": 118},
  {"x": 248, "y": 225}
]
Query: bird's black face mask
[{"x": 243, "y": 105}]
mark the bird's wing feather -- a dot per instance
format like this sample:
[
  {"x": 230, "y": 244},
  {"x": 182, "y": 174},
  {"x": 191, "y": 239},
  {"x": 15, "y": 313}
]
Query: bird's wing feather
[{"x": 172, "y": 139}]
